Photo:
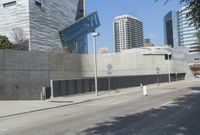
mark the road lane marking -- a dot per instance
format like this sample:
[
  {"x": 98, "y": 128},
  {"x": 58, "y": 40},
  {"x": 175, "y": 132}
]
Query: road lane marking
[{"x": 167, "y": 103}]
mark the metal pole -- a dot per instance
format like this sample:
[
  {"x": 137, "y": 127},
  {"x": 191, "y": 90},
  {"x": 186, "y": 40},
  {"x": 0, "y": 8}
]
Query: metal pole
[
  {"x": 76, "y": 47},
  {"x": 84, "y": 7},
  {"x": 51, "y": 84},
  {"x": 43, "y": 93},
  {"x": 95, "y": 64},
  {"x": 109, "y": 84},
  {"x": 157, "y": 78},
  {"x": 169, "y": 78}
]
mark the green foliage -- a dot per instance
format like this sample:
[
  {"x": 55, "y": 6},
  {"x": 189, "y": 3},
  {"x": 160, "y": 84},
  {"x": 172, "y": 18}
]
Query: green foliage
[
  {"x": 195, "y": 68},
  {"x": 5, "y": 43},
  {"x": 194, "y": 14}
]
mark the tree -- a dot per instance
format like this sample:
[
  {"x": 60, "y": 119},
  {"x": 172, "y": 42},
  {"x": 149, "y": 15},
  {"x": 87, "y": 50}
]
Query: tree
[
  {"x": 194, "y": 13},
  {"x": 20, "y": 42},
  {"x": 5, "y": 43}
]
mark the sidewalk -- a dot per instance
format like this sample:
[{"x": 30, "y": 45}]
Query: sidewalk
[{"x": 10, "y": 108}]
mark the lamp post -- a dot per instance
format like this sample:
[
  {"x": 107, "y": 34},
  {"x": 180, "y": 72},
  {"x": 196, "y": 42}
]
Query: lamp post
[
  {"x": 169, "y": 77},
  {"x": 94, "y": 35}
]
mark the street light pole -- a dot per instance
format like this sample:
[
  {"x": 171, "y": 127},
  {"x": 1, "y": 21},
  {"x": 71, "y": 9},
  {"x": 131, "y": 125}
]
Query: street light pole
[
  {"x": 94, "y": 35},
  {"x": 169, "y": 77},
  {"x": 84, "y": 7}
]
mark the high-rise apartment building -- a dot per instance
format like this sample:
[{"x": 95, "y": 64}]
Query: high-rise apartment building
[
  {"x": 128, "y": 32},
  {"x": 44, "y": 24},
  {"x": 170, "y": 29}
]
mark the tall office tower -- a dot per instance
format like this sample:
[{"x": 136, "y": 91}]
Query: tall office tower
[
  {"x": 128, "y": 32},
  {"x": 170, "y": 29},
  {"x": 187, "y": 32},
  {"x": 45, "y": 23}
]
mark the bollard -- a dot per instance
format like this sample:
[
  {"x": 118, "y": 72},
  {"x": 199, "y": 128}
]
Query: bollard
[
  {"x": 51, "y": 85},
  {"x": 141, "y": 85},
  {"x": 43, "y": 93},
  {"x": 145, "y": 91}
]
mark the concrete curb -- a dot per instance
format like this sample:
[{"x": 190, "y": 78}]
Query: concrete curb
[
  {"x": 136, "y": 89},
  {"x": 49, "y": 108}
]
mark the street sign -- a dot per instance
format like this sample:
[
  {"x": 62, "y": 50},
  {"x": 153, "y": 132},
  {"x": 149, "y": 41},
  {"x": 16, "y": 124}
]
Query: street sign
[
  {"x": 109, "y": 69},
  {"x": 157, "y": 70},
  {"x": 109, "y": 72}
]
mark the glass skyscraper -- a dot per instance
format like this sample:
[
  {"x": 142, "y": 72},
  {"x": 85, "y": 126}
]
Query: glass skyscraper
[
  {"x": 170, "y": 29},
  {"x": 178, "y": 30}
]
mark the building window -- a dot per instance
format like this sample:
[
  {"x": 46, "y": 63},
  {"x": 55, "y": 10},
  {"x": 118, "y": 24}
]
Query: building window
[
  {"x": 166, "y": 57},
  {"x": 39, "y": 4},
  {"x": 9, "y": 4}
]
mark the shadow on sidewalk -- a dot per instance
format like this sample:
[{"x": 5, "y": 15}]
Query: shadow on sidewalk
[{"x": 182, "y": 117}]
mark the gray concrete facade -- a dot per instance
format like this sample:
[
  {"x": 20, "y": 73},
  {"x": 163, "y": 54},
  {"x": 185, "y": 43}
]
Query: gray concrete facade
[
  {"x": 48, "y": 20},
  {"x": 41, "y": 21},
  {"x": 23, "y": 74},
  {"x": 14, "y": 16}
]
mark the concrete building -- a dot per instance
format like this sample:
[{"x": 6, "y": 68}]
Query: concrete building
[
  {"x": 103, "y": 50},
  {"x": 23, "y": 74},
  {"x": 128, "y": 32},
  {"x": 41, "y": 22},
  {"x": 183, "y": 53},
  {"x": 170, "y": 29}
]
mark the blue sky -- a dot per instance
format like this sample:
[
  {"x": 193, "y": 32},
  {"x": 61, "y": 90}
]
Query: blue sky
[{"x": 151, "y": 13}]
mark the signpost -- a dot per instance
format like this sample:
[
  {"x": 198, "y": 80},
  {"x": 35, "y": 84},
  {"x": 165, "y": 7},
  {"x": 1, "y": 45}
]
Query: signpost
[
  {"x": 109, "y": 72},
  {"x": 169, "y": 76},
  {"x": 157, "y": 71}
]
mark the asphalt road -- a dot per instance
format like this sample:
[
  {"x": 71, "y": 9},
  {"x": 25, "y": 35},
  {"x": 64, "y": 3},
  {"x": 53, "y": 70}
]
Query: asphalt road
[{"x": 168, "y": 110}]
